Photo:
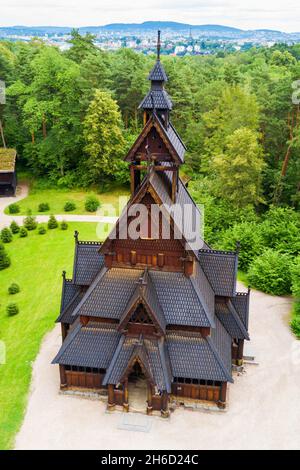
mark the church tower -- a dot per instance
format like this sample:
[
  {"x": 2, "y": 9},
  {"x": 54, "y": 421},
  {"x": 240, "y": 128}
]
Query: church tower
[{"x": 158, "y": 145}]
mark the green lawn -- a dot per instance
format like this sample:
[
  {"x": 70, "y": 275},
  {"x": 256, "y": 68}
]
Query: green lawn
[
  {"x": 36, "y": 265},
  {"x": 56, "y": 198}
]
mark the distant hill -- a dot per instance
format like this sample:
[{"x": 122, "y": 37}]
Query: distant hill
[{"x": 209, "y": 30}]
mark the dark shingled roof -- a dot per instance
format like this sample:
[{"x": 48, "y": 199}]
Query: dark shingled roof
[
  {"x": 194, "y": 357},
  {"x": 87, "y": 263},
  {"x": 89, "y": 346},
  {"x": 177, "y": 300},
  {"x": 158, "y": 73},
  {"x": 149, "y": 352},
  {"x": 69, "y": 290},
  {"x": 220, "y": 268},
  {"x": 66, "y": 314},
  {"x": 161, "y": 185},
  {"x": 110, "y": 293},
  {"x": 230, "y": 319},
  {"x": 180, "y": 300},
  {"x": 145, "y": 293},
  {"x": 241, "y": 304},
  {"x": 156, "y": 99}
]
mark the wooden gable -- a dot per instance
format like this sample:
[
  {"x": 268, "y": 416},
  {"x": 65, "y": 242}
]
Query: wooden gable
[
  {"x": 140, "y": 319},
  {"x": 154, "y": 137}
]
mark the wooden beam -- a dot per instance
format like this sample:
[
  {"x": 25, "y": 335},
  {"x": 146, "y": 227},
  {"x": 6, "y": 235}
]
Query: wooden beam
[
  {"x": 223, "y": 392},
  {"x": 111, "y": 396}
]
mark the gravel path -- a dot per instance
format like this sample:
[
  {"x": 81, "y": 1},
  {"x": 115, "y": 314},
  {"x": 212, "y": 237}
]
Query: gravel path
[
  {"x": 22, "y": 192},
  {"x": 263, "y": 413}
]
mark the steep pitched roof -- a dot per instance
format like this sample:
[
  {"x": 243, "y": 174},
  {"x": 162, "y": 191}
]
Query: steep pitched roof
[
  {"x": 148, "y": 352},
  {"x": 109, "y": 294},
  {"x": 92, "y": 345},
  {"x": 7, "y": 160},
  {"x": 195, "y": 357},
  {"x": 230, "y": 319},
  {"x": 145, "y": 293},
  {"x": 180, "y": 300},
  {"x": 171, "y": 295},
  {"x": 241, "y": 303},
  {"x": 161, "y": 185},
  {"x": 220, "y": 268},
  {"x": 88, "y": 261},
  {"x": 168, "y": 135},
  {"x": 158, "y": 73},
  {"x": 156, "y": 99},
  {"x": 66, "y": 313}
]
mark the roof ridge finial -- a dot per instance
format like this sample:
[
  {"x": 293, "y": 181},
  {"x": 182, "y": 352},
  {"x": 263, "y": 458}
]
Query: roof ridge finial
[{"x": 158, "y": 44}]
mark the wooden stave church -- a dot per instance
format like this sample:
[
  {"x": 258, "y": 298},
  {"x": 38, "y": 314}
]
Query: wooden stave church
[{"x": 155, "y": 303}]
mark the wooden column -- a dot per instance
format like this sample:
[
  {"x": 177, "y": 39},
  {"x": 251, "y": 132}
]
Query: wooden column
[
  {"x": 174, "y": 186},
  {"x": 240, "y": 352},
  {"x": 125, "y": 403},
  {"x": 164, "y": 405},
  {"x": 189, "y": 265},
  {"x": 132, "y": 179},
  {"x": 223, "y": 391},
  {"x": 111, "y": 396},
  {"x": 149, "y": 400},
  {"x": 63, "y": 377}
]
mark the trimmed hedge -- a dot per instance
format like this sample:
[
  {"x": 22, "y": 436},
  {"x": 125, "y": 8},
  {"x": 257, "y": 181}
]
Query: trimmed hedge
[
  {"x": 30, "y": 223},
  {"x": 69, "y": 206},
  {"x": 12, "y": 309},
  {"x": 14, "y": 288},
  {"x": 14, "y": 208},
  {"x": 23, "y": 232},
  {"x": 52, "y": 222},
  {"x": 43, "y": 207},
  {"x": 4, "y": 258},
  {"x": 6, "y": 235},
  {"x": 14, "y": 227},
  {"x": 92, "y": 203}
]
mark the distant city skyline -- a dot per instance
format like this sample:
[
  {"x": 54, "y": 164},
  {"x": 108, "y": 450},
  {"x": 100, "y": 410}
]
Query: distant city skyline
[{"x": 283, "y": 15}]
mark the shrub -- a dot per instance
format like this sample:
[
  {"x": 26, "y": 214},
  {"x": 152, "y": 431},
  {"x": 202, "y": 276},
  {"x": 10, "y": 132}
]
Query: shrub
[
  {"x": 43, "y": 207},
  {"x": 250, "y": 242},
  {"x": 52, "y": 222},
  {"x": 14, "y": 227},
  {"x": 295, "y": 272},
  {"x": 12, "y": 309},
  {"x": 295, "y": 325},
  {"x": 64, "y": 225},
  {"x": 271, "y": 272},
  {"x": 92, "y": 203},
  {"x": 6, "y": 235},
  {"x": 30, "y": 223},
  {"x": 14, "y": 289},
  {"x": 23, "y": 232},
  {"x": 13, "y": 208},
  {"x": 4, "y": 258},
  {"x": 69, "y": 206},
  {"x": 280, "y": 230},
  {"x": 42, "y": 230}
]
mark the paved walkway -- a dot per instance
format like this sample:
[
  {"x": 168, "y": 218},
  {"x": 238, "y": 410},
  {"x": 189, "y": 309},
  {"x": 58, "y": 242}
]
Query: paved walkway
[
  {"x": 263, "y": 413},
  {"x": 22, "y": 192}
]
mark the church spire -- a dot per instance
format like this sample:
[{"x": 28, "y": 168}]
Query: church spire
[
  {"x": 157, "y": 99},
  {"x": 158, "y": 45}
]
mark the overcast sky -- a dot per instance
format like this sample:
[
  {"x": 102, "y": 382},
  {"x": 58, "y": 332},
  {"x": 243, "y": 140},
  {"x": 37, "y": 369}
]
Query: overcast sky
[{"x": 246, "y": 14}]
